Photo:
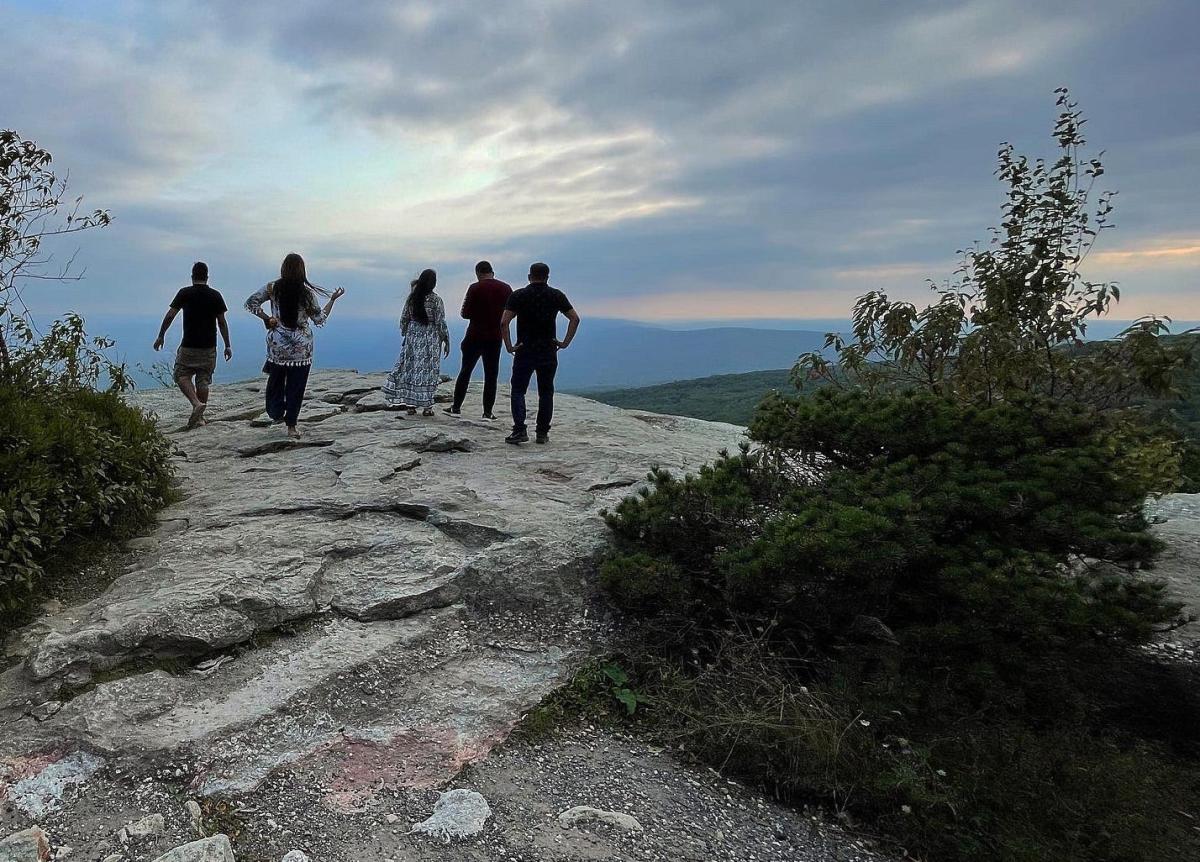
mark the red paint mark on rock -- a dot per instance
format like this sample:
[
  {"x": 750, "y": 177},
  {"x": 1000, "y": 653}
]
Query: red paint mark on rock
[
  {"x": 416, "y": 758},
  {"x": 15, "y": 769}
]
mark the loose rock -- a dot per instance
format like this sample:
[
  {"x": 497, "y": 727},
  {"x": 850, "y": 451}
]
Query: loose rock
[
  {"x": 458, "y": 815},
  {"x": 582, "y": 814},
  {"x": 28, "y": 845},
  {"x": 150, "y": 825},
  {"x": 197, "y": 817},
  {"x": 215, "y": 849},
  {"x": 295, "y": 856}
]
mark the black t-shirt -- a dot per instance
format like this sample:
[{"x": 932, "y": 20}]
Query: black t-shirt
[
  {"x": 536, "y": 308},
  {"x": 201, "y": 306}
]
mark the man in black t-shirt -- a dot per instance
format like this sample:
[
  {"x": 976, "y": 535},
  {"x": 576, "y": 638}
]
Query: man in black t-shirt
[
  {"x": 203, "y": 312},
  {"x": 536, "y": 309}
]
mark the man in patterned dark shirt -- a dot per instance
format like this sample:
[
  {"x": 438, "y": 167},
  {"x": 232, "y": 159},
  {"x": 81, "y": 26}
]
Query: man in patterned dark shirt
[{"x": 536, "y": 309}]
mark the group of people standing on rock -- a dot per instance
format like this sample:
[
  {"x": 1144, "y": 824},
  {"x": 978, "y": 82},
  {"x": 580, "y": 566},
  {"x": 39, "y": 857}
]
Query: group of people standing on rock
[{"x": 289, "y": 307}]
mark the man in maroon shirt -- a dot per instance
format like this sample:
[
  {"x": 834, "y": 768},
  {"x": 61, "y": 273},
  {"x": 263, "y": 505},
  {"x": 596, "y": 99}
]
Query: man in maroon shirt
[{"x": 483, "y": 307}]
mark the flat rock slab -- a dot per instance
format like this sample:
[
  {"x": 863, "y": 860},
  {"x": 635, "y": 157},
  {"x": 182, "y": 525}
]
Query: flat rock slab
[
  {"x": 371, "y": 607},
  {"x": 276, "y": 530}
]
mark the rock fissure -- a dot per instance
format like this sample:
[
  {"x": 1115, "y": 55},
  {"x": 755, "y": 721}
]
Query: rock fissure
[{"x": 271, "y": 447}]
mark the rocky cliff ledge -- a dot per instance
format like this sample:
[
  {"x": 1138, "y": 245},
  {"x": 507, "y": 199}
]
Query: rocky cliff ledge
[
  {"x": 455, "y": 565},
  {"x": 319, "y": 632}
]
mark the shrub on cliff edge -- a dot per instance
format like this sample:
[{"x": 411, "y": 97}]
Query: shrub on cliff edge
[{"x": 77, "y": 465}]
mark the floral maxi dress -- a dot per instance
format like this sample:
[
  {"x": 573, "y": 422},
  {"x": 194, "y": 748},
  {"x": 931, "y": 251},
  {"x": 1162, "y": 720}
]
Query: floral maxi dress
[{"x": 414, "y": 380}]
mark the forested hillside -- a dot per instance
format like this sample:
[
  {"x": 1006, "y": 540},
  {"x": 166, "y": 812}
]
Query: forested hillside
[
  {"x": 720, "y": 398},
  {"x": 734, "y": 397}
]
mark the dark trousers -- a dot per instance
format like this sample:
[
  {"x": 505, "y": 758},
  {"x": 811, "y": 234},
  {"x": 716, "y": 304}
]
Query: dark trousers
[
  {"x": 472, "y": 352},
  {"x": 542, "y": 361},
  {"x": 285, "y": 391}
]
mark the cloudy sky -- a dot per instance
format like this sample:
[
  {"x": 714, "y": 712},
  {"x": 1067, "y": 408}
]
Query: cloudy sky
[{"x": 670, "y": 159}]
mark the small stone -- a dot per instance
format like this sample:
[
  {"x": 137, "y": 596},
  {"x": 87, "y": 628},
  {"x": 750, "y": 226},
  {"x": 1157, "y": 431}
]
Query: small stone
[
  {"x": 152, "y": 824},
  {"x": 582, "y": 814},
  {"x": 295, "y": 856},
  {"x": 116, "y": 857},
  {"x": 391, "y": 818},
  {"x": 193, "y": 810},
  {"x": 29, "y": 845},
  {"x": 458, "y": 815},
  {"x": 215, "y": 849}
]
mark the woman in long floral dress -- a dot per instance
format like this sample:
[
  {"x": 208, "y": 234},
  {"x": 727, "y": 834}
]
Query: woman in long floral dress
[{"x": 414, "y": 381}]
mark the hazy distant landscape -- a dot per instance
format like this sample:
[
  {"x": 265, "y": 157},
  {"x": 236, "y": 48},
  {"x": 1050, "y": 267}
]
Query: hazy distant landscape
[{"x": 607, "y": 354}]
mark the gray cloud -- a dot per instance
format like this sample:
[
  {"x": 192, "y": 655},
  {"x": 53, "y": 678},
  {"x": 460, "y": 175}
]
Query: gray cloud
[{"x": 767, "y": 146}]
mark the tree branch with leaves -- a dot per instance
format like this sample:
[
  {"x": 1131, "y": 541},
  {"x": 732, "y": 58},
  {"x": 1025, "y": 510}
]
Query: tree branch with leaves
[
  {"x": 35, "y": 210},
  {"x": 1012, "y": 318}
]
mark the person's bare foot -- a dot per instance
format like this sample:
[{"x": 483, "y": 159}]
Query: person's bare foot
[{"x": 197, "y": 417}]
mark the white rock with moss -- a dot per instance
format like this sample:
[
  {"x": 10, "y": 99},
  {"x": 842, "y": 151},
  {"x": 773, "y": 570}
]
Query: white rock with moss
[{"x": 458, "y": 815}]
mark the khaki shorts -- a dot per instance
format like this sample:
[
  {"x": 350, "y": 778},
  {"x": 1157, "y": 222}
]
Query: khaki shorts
[{"x": 199, "y": 362}]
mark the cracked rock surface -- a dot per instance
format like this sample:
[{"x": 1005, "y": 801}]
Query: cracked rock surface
[
  {"x": 322, "y": 636},
  {"x": 376, "y": 539}
]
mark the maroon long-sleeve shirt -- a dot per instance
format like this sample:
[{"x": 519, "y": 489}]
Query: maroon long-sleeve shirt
[{"x": 483, "y": 305}]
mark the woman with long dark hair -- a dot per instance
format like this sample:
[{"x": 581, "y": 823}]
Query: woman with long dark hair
[
  {"x": 414, "y": 381},
  {"x": 293, "y": 303}
]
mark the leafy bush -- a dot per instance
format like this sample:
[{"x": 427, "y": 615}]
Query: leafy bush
[{"x": 75, "y": 465}]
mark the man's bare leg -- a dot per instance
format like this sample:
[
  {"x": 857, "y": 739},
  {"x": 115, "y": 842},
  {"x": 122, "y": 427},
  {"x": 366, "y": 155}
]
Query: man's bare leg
[{"x": 188, "y": 388}]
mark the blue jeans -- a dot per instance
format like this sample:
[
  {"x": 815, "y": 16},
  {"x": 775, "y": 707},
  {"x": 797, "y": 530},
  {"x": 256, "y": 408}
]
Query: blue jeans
[
  {"x": 528, "y": 361},
  {"x": 285, "y": 391}
]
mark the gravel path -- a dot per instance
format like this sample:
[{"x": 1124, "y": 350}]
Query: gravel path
[{"x": 686, "y": 813}]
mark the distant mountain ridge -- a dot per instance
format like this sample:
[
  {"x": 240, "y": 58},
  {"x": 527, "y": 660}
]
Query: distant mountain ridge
[{"x": 607, "y": 353}]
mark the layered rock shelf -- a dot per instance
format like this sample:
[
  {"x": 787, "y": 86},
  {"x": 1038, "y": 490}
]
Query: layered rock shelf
[
  {"x": 386, "y": 595},
  {"x": 317, "y": 628}
]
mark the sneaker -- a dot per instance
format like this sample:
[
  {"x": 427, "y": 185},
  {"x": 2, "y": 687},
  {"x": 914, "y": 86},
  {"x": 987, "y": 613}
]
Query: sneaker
[
  {"x": 452, "y": 411},
  {"x": 517, "y": 437},
  {"x": 543, "y": 438},
  {"x": 490, "y": 417}
]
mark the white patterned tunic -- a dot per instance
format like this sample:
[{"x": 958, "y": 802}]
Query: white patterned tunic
[{"x": 286, "y": 345}]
